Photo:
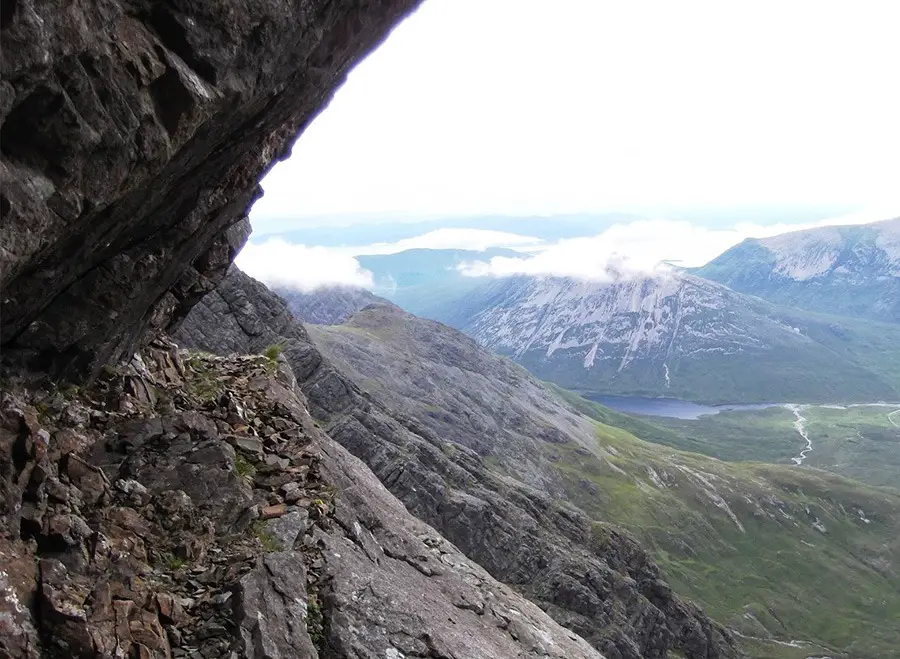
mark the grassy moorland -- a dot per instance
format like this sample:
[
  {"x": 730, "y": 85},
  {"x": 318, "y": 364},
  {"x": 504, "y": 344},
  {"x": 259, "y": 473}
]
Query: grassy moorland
[{"x": 775, "y": 552}]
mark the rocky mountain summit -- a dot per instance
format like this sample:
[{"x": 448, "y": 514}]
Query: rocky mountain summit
[
  {"x": 603, "y": 586},
  {"x": 851, "y": 270}
]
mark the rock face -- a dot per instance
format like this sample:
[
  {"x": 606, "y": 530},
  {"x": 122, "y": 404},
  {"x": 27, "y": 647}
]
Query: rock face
[
  {"x": 848, "y": 270},
  {"x": 331, "y": 305},
  {"x": 188, "y": 505},
  {"x": 133, "y": 135},
  {"x": 675, "y": 335},
  {"x": 610, "y": 594}
]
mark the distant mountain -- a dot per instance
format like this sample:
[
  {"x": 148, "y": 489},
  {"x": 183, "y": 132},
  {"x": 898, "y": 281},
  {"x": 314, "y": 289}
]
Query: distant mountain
[
  {"x": 421, "y": 281},
  {"x": 680, "y": 336},
  {"x": 330, "y": 305},
  {"x": 851, "y": 270}
]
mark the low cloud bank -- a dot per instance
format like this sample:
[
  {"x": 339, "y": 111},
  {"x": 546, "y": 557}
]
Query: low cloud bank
[
  {"x": 626, "y": 250},
  {"x": 298, "y": 267},
  {"x": 476, "y": 240},
  {"x": 641, "y": 248},
  {"x": 644, "y": 247}
]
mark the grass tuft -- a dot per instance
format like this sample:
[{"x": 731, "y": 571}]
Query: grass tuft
[
  {"x": 243, "y": 468},
  {"x": 315, "y": 623},
  {"x": 272, "y": 353},
  {"x": 268, "y": 541}
]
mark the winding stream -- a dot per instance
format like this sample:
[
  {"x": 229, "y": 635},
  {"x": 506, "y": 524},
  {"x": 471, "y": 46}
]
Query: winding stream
[{"x": 800, "y": 427}]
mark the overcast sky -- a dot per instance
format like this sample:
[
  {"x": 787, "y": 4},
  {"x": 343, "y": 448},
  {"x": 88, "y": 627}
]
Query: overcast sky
[{"x": 524, "y": 107}]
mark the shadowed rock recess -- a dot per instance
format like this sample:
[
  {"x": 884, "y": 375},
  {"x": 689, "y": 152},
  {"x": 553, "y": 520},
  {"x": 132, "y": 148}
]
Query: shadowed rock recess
[
  {"x": 182, "y": 504},
  {"x": 133, "y": 136}
]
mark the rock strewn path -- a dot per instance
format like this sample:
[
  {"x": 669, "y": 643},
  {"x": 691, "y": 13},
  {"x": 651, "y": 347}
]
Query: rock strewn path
[{"x": 188, "y": 505}]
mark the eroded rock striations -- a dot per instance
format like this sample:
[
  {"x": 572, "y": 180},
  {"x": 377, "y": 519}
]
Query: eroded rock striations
[
  {"x": 133, "y": 136},
  {"x": 846, "y": 270},
  {"x": 609, "y": 592}
]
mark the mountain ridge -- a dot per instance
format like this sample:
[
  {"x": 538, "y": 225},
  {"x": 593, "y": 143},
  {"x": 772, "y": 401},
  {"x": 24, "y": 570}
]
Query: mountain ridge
[
  {"x": 328, "y": 305},
  {"x": 696, "y": 515},
  {"x": 848, "y": 270}
]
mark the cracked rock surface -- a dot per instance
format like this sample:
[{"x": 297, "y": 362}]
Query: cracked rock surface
[{"x": 187, "y": 505}]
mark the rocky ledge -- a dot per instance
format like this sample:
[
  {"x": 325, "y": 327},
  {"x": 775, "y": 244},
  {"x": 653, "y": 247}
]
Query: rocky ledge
[{"x": 187, "y": 505}]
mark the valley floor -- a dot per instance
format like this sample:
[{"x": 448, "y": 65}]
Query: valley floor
[
  {"x": 858, "y": 441},
  {"x": 798, "y": 561}
]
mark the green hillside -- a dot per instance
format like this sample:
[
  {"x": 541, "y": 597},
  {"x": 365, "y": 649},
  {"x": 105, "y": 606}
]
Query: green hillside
[
  {"x": 769, "y": 550},
  {"x": 860, "y": 441},
  {"x": 832, "y": 360},
  {"x": 680, "y": 337}
]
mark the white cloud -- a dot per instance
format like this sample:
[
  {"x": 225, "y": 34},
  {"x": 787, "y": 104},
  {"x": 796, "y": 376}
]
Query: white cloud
[
  {"x": 469, "y": 239},
  {"x": 623, "y": 250},
  {"x": 643, "y": 247},
  {"x": 278, "y": 263}
]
